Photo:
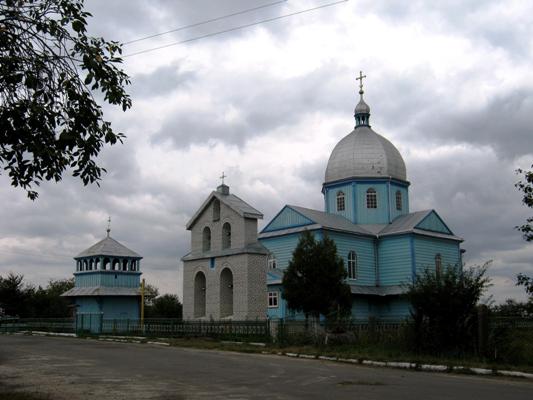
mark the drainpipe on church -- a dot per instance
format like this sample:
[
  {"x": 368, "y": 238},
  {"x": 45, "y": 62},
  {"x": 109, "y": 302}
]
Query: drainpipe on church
[{"x": 142, "y": 303}]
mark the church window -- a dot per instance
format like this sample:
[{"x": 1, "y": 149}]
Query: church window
[
  {"x": 226, "y": 236},
  {"x": 106, "y": 264},
  {"x": 371, "y": 198},
  {"x": 206, "y": 239},
  {"x": 85, "y": 266},
  {"x": 133, "y": 265},
  {"x": 340, "y": 201},
  {"x": 124, "y": 265},
  {"x": 216, "y": 210},
  {"x": 438, "y": 264},
  {"x": 97, "y": 264},
  {"x": 226, "y": 293},
  {"x": 199, "y": 294},
  {"x": 91, "y": 265},
  {"x": 272, "y": 262},
  {"x": 352, "y": 265},
  {"x": 116, "y": 265},
  {"x": 272, "y": 299},
  {"x": 398, "y": 200}
]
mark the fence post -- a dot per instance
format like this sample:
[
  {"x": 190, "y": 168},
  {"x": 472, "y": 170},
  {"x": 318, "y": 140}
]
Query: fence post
[{"x": 482, "y": 329}]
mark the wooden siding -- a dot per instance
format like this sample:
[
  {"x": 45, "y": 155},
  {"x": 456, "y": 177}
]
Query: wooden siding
[
  {"x": 360, "y": 308},
  {"x": 378, "y": 215},
  {"x": 395, "y": 263},
  {"x": 287, "y": 218},
  {"x": 364, "y": 248},
  {"x": 331, "y": 201},
  {"x": 426, "y": 248},
  {"x": 282, "y": 247},
  {"x": 433, "y": 223},
  {"x": 121, "y": 307},
  {"x": 280, "y": 310},
  {"x": 405, "y": 201},
  {"x": 108, "y": 279}
]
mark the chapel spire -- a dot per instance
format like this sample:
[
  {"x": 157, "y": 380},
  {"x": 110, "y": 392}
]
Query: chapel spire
[{"x": 362, "y": 110}]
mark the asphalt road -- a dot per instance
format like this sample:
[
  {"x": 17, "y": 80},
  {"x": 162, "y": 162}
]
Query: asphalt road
[{"x": 69, "y": 368}]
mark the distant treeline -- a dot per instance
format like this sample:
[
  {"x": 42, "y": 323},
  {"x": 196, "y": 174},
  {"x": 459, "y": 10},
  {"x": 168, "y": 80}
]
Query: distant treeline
[{"x": 21, "y": 299}]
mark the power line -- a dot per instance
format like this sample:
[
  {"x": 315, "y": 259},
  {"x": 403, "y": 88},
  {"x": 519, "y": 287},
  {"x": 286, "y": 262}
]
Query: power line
[
  {"x": 207, "y": 21},
  {"x": 234, "y": 28}
]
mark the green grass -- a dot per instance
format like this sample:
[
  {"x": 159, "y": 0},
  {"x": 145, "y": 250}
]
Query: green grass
[{"x": 365, "y": 352}]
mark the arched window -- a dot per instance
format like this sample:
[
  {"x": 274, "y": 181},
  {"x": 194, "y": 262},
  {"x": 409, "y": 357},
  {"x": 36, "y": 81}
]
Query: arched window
[
  {"x": 85, "y": 266},
  {"x": 226, "y": 236},
  {"x": 124, "y": 265},
  {"x": 371, "y": 198},
  {"x": 341, "y": 206},
  {"x": 91, "y": 263},
  {"x": 272, "y": 262},
  {"x": 352, "y": 265},
  {"x": 206, "y": 239},
  {"x": 133, "y": 265},
  {"x": 226, "y": 293},
  {"x": 216, "y": 210},
  {"x": 199, "y": 295},
  {"x": 106, "y": 264},
  {"x": 116, "y": 264},
  {"x": 97, "y": 264},
  {"x": 438, "y": 264},
  {"x": 399, "y": 200}
]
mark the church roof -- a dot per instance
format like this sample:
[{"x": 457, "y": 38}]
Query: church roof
[
  {"x": 102, "y": 291},
  {"x": 235, "y": 203},
  {"x": 364, "y": 154},
  {"x": 108, "y": 247}
]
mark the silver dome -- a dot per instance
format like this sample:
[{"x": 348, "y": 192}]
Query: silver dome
[{"x": 364, "y": 153}]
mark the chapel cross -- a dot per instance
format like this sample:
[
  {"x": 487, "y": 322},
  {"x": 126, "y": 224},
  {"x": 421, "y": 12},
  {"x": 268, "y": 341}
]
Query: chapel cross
[
  {"x": 223, "y": 176},
  {"x": 360, "y": 79},
  {"x": 108, "y": 226}
]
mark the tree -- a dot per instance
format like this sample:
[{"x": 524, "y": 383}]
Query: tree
[
  {"x": 49, "y": 68},
  {"x": 314, "y": 281},
  {"x": 165, "y": 306},
  {"x": 48, "y": 303},
  {"x": 444, "y": 307},
  {"x": 526, "y": 187},
  {"x": 14, "y": 295}
]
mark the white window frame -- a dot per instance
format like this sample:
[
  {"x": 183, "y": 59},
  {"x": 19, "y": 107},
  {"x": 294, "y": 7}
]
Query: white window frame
[
  {"x": 272, "y": 262},
  {"x": 371, "y": 198},
  {"x": 341, "y": 201},
  {"x": 352, "y": 265},
  {"x": 273, "y": 299},
  {"x": 399, "y": 200}
]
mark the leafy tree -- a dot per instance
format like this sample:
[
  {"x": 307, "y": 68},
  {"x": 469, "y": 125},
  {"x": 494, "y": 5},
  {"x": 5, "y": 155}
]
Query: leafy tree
[
  {"x": 314, "y": 280},
  {"x": 49, "y": 68},
  {"x": 150, "y": 294},
  {"x": 526, "y": 187},
  {"x": 527, "y": 283},
  {"x": 444, "y": 307},
  {"x": 48, "y": 303},
  {"x": 165, "y": 306},
  {"x": 14, "y": 295}
]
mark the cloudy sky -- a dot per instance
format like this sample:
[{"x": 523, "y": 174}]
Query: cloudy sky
[{"x": 449, "y": 83}]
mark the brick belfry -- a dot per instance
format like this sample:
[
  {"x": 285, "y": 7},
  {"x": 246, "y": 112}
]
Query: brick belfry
[{"x": 224, "y": 275}]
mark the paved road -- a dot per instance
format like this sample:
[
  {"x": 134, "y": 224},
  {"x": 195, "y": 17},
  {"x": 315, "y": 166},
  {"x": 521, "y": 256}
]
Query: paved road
[{"x": 73, "y": 369}]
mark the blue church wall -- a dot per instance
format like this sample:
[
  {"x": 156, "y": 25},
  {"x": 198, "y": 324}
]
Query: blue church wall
[
  {"x": 280, "y": 310},
  {"x": 432, "y": 222},
  {"x": 287, "y": 218},
  {"x": 379, "y": 215},
  {"x": 349, "y": 204},
  {"x": 121, "y": 307},
  {"x": 360, "y": 308},
  {"x": 282, "y": 247},
  {"x": 426, "y": 248},
  {"x": 394, "y": 187},
  {"x": 87, "y": 305},
  {"x": 107, "y": 278},
  {"x": 364, "y": 249},
  {"x": 395, "y": 263}
]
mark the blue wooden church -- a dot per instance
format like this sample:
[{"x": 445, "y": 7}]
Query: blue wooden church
[
  {"x": 107, "y": 284},
  {"x": 366, "y": 212}
]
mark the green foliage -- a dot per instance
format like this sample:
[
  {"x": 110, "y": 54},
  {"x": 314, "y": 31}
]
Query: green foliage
[
  {"x": 49, "y": 69},
  {"x": 444, "y": 308},
  {"x": 513, "y": 308},
  {"x": 314, "y": 280},
  {"x": 526, "y": 187},
  {"x": 165, "y": 306},
  {"x": 527, "y": 283},
  {"x": 19, "y": 299}
]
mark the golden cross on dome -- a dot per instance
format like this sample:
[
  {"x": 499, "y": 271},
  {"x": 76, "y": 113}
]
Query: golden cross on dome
[{"x": 360, "y": 79}]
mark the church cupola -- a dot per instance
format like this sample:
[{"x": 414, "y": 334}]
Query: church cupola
[{"x": 362, "y": 110}]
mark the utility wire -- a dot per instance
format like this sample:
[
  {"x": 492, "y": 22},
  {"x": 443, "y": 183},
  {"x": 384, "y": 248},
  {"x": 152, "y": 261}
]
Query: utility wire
[
  {"x": 234, "y": 28},
  {"x": 207, "y": 21}
]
